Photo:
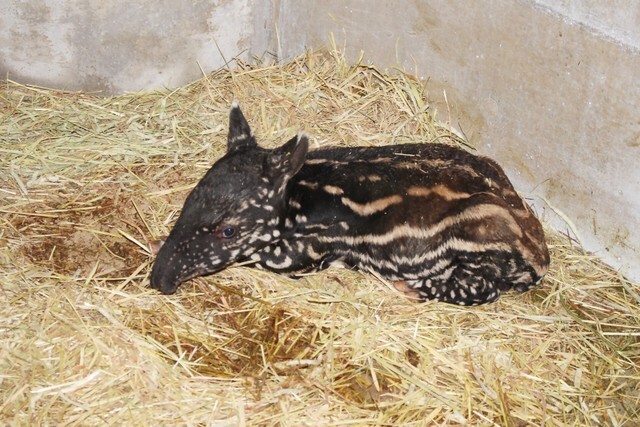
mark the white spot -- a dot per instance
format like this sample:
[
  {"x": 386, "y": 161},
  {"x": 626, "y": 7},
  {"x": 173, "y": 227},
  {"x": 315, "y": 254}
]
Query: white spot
[
  {"x": 315, "y": 161},
  {"x": 417, "y": 285},
  {"x": 313, "y": 254},
  {"x": 338, "y": 264},
  {"x": 239, "y": 137},
  {"x": 331, "y": 189},
  {"x": 366, "y": 209},
  {"x": 439, "y": 190},
  {"x": 311, "y": 185},
  {"x": 284, "y": 264}
]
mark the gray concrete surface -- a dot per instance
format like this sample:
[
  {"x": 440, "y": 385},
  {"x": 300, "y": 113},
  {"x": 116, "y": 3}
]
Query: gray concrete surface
[
  {"x": 115, "y": 46},
  {"x": 548, "y": 88},
  {"x": 617, "y": 20}
]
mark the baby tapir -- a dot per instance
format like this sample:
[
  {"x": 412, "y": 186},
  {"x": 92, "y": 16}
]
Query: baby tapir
[{"x": 437, "y": 221}]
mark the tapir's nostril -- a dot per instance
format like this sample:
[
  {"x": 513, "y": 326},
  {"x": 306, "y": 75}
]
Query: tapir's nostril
[{"x": 162, "y": 284}]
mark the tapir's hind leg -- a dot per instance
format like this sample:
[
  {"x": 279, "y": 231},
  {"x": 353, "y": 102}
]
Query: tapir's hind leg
[{"x": 472, "y": 280}]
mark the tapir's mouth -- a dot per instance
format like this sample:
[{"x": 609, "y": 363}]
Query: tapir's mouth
[
  {"x": 165, "y": 286},
  {"x": 170, "y": 287},
  {"x": 197, "y": 273}
]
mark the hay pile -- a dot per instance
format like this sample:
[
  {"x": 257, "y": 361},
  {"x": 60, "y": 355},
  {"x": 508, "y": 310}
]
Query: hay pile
[{"x": 86, "y": 182}]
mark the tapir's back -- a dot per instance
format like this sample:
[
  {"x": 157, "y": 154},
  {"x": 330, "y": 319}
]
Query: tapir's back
[
  {"x": 393, "y": 168},
  {"x": 401, "y": 209}
]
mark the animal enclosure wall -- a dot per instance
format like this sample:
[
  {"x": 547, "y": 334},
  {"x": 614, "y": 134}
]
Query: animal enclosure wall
[{"x": 549, "y": 89}]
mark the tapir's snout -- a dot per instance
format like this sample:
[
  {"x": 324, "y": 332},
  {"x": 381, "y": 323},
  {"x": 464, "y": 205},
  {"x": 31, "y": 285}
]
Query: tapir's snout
[
  {"x": 159, "y": 277},
  {"x": 174, "y": 265},
  {"x": 162, "y": 280},
  {"x": 167, "y": 272}
]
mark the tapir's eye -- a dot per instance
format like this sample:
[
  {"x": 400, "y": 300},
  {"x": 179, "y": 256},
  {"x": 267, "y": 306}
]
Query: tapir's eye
[{"x": 228, "y": 232}]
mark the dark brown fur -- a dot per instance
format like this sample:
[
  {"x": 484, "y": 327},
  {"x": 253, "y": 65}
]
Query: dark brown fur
[{"x": 440, "y": 222}]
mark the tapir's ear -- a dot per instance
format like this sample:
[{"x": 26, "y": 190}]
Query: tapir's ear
[
  {"x": 240, "y": 137},
  {"x": 286, "y": 161}
]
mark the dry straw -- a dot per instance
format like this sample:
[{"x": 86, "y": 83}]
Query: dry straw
[{"x": 86, "y": 182}]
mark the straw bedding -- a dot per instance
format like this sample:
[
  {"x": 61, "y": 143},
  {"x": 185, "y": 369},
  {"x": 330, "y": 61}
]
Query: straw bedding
[{"x": 86, "y": 182}]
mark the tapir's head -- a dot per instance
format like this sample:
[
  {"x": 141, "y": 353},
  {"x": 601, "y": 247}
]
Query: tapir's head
[{"x": 235, "y": 210}]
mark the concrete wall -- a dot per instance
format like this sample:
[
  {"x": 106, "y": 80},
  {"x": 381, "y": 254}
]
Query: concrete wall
[
  {"x": 116, "y": 46},
  {"x": 547, "y": 87}
]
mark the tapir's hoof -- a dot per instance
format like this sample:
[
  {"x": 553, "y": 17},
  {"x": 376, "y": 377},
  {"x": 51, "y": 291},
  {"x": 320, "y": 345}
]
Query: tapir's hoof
[{"x": 403, "y": 287}]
